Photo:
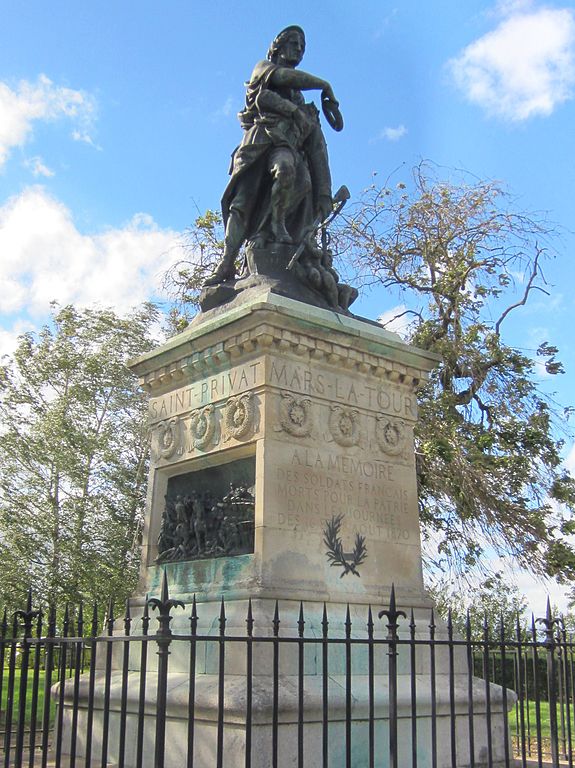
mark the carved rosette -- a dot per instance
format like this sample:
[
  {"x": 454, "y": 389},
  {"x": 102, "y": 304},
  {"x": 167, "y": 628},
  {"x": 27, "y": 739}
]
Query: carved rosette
[
  {"x": 344, "y": 425},
  {"x": 295, "y": 415},
  {"x": 168, "y": 435},
  {"x": 202, "y": 427},
  {"x": 390, "y": 435},
  {"x": 239, "y": 416}
]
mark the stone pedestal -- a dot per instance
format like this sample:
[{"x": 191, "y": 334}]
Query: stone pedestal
[
  {"x": 324, "y": 406},
  {"x": 314, "y": 411}
]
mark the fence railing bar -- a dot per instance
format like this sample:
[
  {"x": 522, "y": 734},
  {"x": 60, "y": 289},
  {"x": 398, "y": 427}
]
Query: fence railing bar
[
  {"x": 534, "y": 659},
  {"x": 142, "y": 684},
  {"x": 392, "y": 614},
  {"x": 300, "y": 692},
  {"x": 249, "y": 683},
  {"x": 487, "y": 688},
  {"x": 275, "y": 683},
  {"x": 504, "y": 690},
  {"x": 48, "y": 670},
  {"x": 10, "y": 694},
  {"x": 451, "y": 662},
  {"x": 562, "y": 725},
  {"x": 3, "y": 643},
  {"x": 107, "y": 687},
  {"x": 34, "y": 695},
  {"x": 521, "y": 692},
  {"x": 549, "y": 623},
  {"x": 27, "y": 616},
  {"x": 163, "y": 638},
  {"x": 91, "y": 686},
  {"x": 76, "y": 663},
  {"x": 526, "y": 666},
  {"x": 221, "y": 688},
  {"x": 124, "y": 687},
  {"x": 325, "y": 688},
  {"x": 63, "y": 670},
  {"x": 347, "y": 689},
  {"x": 413, "y": 689},
  {"x": 568, "y": 754},
  {"x": 470, "y": 702},
  {"x": 371, "y": 688},
  {"x": 433, "y": 691}
]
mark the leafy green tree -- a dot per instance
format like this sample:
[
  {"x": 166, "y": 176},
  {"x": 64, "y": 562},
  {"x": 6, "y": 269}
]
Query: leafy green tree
[
  {"x": 489, "y": 441},
  {"x": 488, "y": 448},
  {"x": 203, "y": 244},
  {"x": 493, "y": 602},
  {"x": 73, "y": 457}
]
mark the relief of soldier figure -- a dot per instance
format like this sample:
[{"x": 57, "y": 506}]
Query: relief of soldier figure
[
  {"x": 199, "y": 525},
  {"x": 279, "y": 196}
]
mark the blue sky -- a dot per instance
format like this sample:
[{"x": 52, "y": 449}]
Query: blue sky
[{"x": 117, "y": 121}]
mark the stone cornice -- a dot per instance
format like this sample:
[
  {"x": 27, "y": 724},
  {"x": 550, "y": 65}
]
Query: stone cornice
[{"x": 277, "y": 325}]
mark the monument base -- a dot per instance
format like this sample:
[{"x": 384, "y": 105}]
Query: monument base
[
  {"x": 309, "y": 415},
  {"x": 292, "y": 732}
]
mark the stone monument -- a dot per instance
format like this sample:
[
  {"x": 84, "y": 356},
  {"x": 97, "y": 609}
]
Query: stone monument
[{"x": 283, "y": 464}]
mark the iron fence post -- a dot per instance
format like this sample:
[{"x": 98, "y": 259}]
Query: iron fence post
[
  {"x": 163, "y": 639},
  {"x": 550, "y": 644},
  {"x": 27, "y": 617},
  {"x": 392, "y": 615}
]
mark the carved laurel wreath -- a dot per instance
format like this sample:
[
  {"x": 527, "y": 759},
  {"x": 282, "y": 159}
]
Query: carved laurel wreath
[
  {"x": 296, "y": 415},
  {"x": 349, "y": 561},
  {"x": 344, "y": 425},
  {"x": 390, "y": 435},
  {"x": 203, "y": 427},
  {"x": 168, "y": 433},
  {"x": 238, "y": 416}
]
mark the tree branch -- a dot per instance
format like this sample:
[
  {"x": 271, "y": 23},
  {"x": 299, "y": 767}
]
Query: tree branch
[{"x": 528, "y": 289}]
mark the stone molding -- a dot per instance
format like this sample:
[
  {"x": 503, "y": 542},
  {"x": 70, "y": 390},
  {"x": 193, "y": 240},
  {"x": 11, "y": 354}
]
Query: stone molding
[
  {"x": 344, "y": 425},
  {"x": 202, "y": 427},
  {"x": 206, "y": 428},
  {"x": 348, "y": 427},
  {"x": 296, "y": 417},
  {"x": 238, "y": 416},
  {"x": 268, "y": 338}
]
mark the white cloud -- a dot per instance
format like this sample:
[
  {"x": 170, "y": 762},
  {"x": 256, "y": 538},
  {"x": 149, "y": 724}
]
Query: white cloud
[
  {"x": 38, "y": 167},
  {"x": 9, "y": 336},
  {"x": 538, "y": 590},
  {"x": 226, "y": 109},
  {"x": 391, "y": 134},
  {"x": 396, "y": 320},
  {"x": 510, "y": 7},
  {"x": 29, "y": 102},
  {"x": 394, "y": 134},
  {"x": 45, "y": 258},
  {"x": 524, "y": 67}
]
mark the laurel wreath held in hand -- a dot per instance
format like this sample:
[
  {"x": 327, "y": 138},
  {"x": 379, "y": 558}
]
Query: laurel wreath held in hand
[{"x": 335, "y": 554}]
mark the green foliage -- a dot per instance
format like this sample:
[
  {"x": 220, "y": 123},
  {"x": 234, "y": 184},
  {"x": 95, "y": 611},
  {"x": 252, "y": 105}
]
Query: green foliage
[
  {"x": 493, "y": 603},
  {"x": 203, "y": 244},
  {"x": 488, "y": 450},
  {"x": 488, "y": 442},
  {"x": 73, "y": 458}
]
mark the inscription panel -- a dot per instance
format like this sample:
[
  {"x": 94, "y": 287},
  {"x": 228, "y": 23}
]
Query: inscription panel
[
  {"x": 340, "y": 387},
  {"x": 337, "y": 387},
  {"x": 205, "y": 391},
  {"x": 315, "y": 485}
]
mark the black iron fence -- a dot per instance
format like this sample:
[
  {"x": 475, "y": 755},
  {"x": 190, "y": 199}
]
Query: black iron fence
[{"x": 305, "y": 688}]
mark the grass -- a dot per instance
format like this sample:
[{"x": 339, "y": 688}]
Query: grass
[
  {"x": 530, "y": 725},
  {"x": 29, "y": 697}
]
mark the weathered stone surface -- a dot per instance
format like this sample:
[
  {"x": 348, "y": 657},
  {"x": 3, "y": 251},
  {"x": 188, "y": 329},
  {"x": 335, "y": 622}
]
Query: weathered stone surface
[{"x": 329, "y": 405}]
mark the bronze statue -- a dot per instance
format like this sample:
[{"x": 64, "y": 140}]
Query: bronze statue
[{"x": 279, "y": 192}]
